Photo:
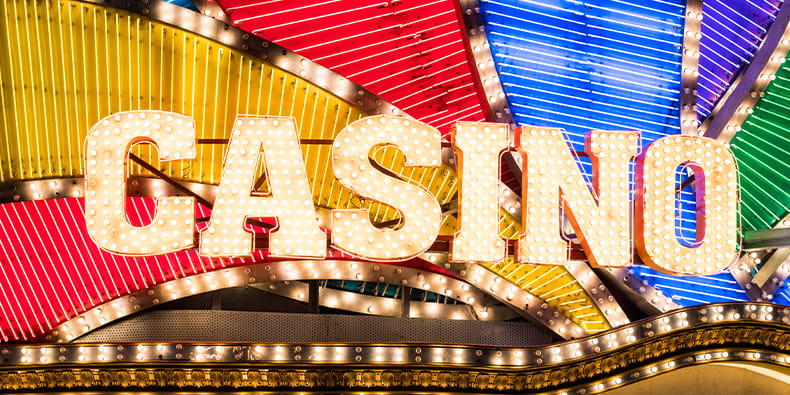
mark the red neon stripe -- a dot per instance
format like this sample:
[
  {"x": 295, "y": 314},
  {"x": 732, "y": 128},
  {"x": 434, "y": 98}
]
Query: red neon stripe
[
  {"x": 9, "y": 319},
  {"x": 52, "y": 262},
  {"x": 20, "y": 288},
  {"x": 50, "y": 270},
  {"x": 84, "y": 256},
  {"x": 69, "y": 257},
  {"x": 403, "y": 51}
]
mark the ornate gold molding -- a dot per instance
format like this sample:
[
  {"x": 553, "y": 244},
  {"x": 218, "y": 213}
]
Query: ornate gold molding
[{"x": 751, "y": 340}]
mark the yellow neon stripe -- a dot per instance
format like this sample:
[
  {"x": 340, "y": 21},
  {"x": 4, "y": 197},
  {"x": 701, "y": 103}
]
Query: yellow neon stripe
[
  {"x": 65, "y": 65},
  {"x": 551, "y": 283}
]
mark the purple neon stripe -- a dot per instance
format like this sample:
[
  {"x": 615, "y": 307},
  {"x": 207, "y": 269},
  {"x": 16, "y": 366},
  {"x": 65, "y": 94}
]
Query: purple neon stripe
[{"x": 731, "y": 33}]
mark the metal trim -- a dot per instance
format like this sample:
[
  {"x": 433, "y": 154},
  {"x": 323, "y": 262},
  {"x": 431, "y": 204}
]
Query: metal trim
[
  {"x": 747, "y": 332},
  {"x": 288, "y": 378},
  {"x": 598, "y": 292},
  {"x": 211, "y": 9},
  {"x": 558, "y": 353},
  {"x": 689, "y": 69}
]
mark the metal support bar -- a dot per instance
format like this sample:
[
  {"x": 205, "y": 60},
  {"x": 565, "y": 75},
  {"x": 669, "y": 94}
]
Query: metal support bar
[
  {"x": 649, "y": 300},
  {"x": 781, "y": 271},
  {"x": 600, "y": 295},
  {"x": 175, "y": 184},
  {"x": 689, "y": 76},
  {"x": 770, "y": 267},
  {"x": 169, "y": 180},
  {"x": 216, "y": 300},
  {"x": 405, "y": 295},
  {"x": 775, "y": 268},
  {"x": 313, "y": 297},
  {"x": 740, "y": 271},
  {"x": 487, "y": 84},
  {"x": 767, "y": 238},
  {"x": 513, "y": 162},
  {"x": 526, "y": 304}
]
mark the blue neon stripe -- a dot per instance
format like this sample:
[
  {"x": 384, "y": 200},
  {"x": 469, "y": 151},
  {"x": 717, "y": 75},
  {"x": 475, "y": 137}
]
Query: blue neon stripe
[
  {"x": 602, "y": 64},
  {"x": 782, "y": 295},
  {"x": 598, "y": 65},
  {"x": 694, "y": 290}
]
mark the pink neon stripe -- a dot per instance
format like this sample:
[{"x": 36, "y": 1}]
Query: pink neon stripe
[
  {"x": 53, "y": 260},
  {"x": 69, "y": 207},
  {"x": 28, "y": 247},
  {"x": 93, "y": 250},
  {"x": 404, "y": 51},
  {"x": 143, "y": 217},
  {"x": 68, "y": 259},
  {"x": 31, "y": 285},
  {"x": 19, "y": 288},
  {"x": 9, "y": 318}
]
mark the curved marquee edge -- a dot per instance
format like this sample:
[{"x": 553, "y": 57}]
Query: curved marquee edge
[
  {"x": 270, "y": 272},
  {"x": 746, "y": 332}
]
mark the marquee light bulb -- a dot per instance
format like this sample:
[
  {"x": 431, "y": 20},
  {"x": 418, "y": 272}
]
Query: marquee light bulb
[
  {"x": 478, "y": 147},
  {"x": 715, "y": 178},
  {"x": 420, "y": 212},
  {"x": 275, "y": 141},
  {"x": 107, "y": 147},
  {"x": 552, "y": 180}
]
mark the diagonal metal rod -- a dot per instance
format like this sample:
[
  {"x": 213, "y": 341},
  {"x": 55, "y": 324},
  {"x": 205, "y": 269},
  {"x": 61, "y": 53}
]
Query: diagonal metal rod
[
  {"x": 766, "y": 238},
  {"x": 175, "y": 184}
]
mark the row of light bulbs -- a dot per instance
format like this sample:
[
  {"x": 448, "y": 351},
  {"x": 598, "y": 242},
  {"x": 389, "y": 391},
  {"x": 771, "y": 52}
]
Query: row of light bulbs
[{"x": 554, "y": 354}]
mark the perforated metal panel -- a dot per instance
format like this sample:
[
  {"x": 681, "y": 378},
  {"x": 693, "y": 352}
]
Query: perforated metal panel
[{"x": 268, "y": 327}]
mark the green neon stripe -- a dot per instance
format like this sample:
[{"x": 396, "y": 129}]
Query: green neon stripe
[{"x": 762, "y": 149}]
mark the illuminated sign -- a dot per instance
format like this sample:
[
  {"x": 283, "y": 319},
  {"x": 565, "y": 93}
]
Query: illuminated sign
[{"x": 553, "y": 185}]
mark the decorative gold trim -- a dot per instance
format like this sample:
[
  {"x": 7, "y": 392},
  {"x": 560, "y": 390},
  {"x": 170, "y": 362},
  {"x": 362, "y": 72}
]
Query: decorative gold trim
[{"x": 713, "y": 333}]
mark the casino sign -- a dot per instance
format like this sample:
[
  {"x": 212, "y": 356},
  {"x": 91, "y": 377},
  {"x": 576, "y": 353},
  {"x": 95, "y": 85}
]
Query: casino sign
[
  {"x": 449, "y": 196},
  {"x": 601, "y": 224}
]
